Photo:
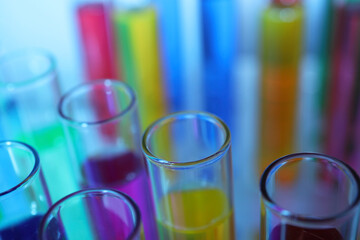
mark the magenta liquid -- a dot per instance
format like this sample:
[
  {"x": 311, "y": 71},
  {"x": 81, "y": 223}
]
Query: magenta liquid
[
  {"x": 127, "y": 174},
  {"x": 290, "y": 232}
]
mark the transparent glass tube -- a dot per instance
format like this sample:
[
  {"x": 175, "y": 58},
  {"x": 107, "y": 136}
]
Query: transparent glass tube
[
  {"x": 189, "y": 162},
  {"x": 112, "y": 215},
  {"x": 29, "y": 94},
  {"x": 105, "y": 144},
  {"x": 309, "y": 196},
  {"x": 24, "y": 197}
]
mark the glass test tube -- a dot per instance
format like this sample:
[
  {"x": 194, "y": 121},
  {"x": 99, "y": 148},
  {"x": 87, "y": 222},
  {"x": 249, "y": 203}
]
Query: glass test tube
[
  {"x": 191, "y": 176},
  {"x": 320, "y": 201},
  {"x": 340, "y": 138},
  {"x": 136, "y": 39},
  {"x": 108, "y": 160},
  {"x": 114, "y": 215},
  {"x": 29, "y": 94},
  {"x": 24, "y": 197},
  {"x": 280, "y": 61}
]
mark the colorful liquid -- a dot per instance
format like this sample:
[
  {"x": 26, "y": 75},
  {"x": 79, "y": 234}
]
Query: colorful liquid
[
  {"x": 25, "y": 230},
  {"x": 344, "y": 92},
  {"x": 127, "y": 174},
  {"x": 171, "y": 48},
  {"x": 138, "y": 53},
  {"x": 95, "y": 34},
  {"x": 289, "y": 232},
  {"x": 55, "y": 161},
  {"x": 219, "y": 41},
  {"x": 202, "y": 214},
  {"x": 97, "y": 46},
  {"x": 280, "y": 59}
]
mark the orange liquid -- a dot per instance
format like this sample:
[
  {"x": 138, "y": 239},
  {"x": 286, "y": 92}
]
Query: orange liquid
[{"x": 281, "y": 53}]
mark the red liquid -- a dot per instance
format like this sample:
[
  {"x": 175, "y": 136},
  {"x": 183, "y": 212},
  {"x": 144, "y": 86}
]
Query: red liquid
[
  {"x": 96, "y": 41},
  {"x": 127, "y": 174},
  {"x": 289, "y": 232},
  {"x": 96, "y": 37}
]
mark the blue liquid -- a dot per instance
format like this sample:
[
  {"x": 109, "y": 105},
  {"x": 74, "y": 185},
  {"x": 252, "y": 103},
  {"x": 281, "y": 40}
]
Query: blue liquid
[
  {"x": 219, "y": 36},
  {"x": 172, "y": 53},
  {"x": 24, "y": 230}
]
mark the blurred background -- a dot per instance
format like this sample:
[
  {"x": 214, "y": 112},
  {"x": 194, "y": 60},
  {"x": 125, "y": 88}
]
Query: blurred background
[{"x": 282, "y": 74}]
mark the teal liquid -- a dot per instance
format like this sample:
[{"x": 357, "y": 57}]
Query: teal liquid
[
  {"x": 55, "y": 163},
  {"x": 50, "y": 143}
]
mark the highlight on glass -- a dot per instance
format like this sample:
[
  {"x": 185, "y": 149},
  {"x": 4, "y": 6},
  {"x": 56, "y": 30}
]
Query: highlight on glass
[
  {"x": 110, "y": 213},
  {"x": 29, "y": 94},
  {"x": 309, "y": 196},
  {"x": 104, "y": 139},
  {"x": 24, "y": 197},
  {"x": 189, "y": 162}
]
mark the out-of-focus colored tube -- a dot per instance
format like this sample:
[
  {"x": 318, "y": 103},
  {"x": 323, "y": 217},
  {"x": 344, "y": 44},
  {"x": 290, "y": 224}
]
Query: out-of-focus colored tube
[
  {"x": 97, "y": 49},
  {"x": 219, "y": 40},
  {"x": 95, "y": 34},
  {"x": 138, "y": 54},
  {"x": 325, "y": 54},
  {"x": 280, "y": 59},
  {"x": 171, "y": 48},
  {"x": 344, "y": 86}
]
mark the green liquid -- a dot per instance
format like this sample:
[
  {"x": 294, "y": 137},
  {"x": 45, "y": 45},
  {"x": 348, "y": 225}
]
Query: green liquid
[
  {"x": 50, "y": 143},
  {"x": 55, "y": 163}
]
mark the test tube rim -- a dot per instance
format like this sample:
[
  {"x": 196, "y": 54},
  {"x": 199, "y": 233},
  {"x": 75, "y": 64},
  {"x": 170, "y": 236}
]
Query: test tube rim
[
  {"x": 131, "y": 106},
  {"x": 31, "y": 174},
  {"x": 129, "y": 201},
  {"x": 190, "y": 164},
  {"x": 33, "y": 81},
  {"x": 274, "y": 207}
]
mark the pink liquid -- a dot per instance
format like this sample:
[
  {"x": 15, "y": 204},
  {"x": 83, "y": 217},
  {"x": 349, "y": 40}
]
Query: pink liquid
[
  {"x": 289, "y": 232},
  {"x": 96, "y": 37},
  {"x": 127, "y": 174},
  {"x": 96, "y": 41}
]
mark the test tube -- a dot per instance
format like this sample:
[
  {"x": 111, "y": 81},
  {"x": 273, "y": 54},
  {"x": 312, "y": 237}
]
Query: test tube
[
  {"x": 24, "y": 197},
  {"x": 95, "y": 38},
  {"x": 281, "y": 46},
  {"x": 219, "y": 38},
  {"x": 191, "y": 176},
  {"x": 138, "y": 55},
  {"x": 321, "y": 201},
  {"x": 114, "y": 215},
  {"x": 29, "y": 94},
  {"x": 104, "y": 160},
  {"x": 343, "y": 93}
]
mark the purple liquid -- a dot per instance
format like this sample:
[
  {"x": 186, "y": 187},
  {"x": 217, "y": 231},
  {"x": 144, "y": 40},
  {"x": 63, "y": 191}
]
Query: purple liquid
[
  {"x": 24, "y": 230},
  {"x": 292, "y": 232},
  {"x": 127, "y": 174}
]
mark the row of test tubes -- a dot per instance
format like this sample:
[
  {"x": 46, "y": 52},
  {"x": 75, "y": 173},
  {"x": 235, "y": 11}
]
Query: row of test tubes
[{"x": 77, "y": 166}]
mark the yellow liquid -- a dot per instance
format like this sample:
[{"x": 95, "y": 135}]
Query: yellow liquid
[
  {"x": 202, "y": 214},
  {"x": 281, "y": 54},
  {"x": 139, "y": 59}
]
